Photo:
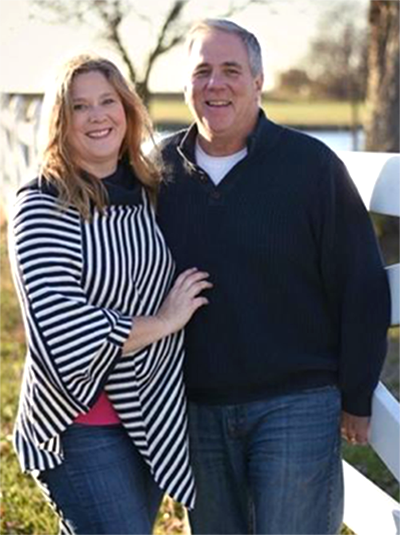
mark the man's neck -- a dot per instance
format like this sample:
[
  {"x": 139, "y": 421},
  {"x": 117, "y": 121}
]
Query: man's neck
[
  {"x": 224, "y": 144},
  {"x": 215, "y": 146}
]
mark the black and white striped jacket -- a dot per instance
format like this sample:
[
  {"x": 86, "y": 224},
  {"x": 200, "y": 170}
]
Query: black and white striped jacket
[{"x": 80, "y": 283}]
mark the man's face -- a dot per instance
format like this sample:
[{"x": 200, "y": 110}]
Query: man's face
[{"x": 221, "y": 91}]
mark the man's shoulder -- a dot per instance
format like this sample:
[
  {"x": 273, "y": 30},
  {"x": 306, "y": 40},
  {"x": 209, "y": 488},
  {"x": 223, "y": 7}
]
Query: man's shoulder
[
  {"x": 272, "y": 137},
  {"x": 302, "y": 150},
  {"x": 306, "y": 143}
]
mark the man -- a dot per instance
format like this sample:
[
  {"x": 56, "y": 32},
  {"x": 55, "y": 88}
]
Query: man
[{"x": 290, "y": 348}]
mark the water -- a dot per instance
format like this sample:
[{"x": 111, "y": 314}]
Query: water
[
  {"x": 338, "y": 139},
  {"x": 335, "y": 139}
]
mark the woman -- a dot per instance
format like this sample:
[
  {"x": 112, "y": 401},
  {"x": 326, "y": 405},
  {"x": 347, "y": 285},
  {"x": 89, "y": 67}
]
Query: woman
[{"x": 102, "y": 416}]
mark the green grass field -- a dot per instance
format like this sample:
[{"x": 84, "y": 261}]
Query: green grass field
[
  {"x": 23, "y": 510},
  {"x": 332, "y": 114}
]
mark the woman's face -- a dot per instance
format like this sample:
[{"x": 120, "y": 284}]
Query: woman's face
[{"x": 98, "y": 124}]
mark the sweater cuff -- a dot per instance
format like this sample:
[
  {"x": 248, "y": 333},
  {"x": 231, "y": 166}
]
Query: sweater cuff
[
  {"x": 121, "y": 331},
  {"x": 358, "y": 405}
]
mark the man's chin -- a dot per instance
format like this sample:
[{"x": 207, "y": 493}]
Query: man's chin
[{"x": 214, "y": 129}]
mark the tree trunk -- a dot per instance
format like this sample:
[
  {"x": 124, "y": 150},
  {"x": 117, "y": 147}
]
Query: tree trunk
[
  {"x": 143, "y": 91},
  {"x": 382, "y": 123}
]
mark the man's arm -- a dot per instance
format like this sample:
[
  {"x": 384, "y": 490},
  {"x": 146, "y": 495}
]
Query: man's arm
[{"x": 357, "y": 290}]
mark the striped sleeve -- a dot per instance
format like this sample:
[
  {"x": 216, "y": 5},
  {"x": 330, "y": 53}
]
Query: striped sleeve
[{"x": 79, "y": 343}]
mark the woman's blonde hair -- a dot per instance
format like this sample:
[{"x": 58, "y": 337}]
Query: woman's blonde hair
[{"x": 57, "y": 162}]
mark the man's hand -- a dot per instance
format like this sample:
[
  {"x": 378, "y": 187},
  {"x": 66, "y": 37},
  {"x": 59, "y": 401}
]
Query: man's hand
[{"x": 355, "y": 429}]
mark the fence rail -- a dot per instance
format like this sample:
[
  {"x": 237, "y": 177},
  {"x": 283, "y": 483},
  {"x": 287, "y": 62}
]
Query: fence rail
[
  {"x": 368, "y": 510},
  {"x": 19, "y": 137}
]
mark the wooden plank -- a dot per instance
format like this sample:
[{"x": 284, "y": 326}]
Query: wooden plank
[
  {"x": 385, "y": 428},
  {"x": 393, "y": 273},
  {"x": 376, "y": 176},
  {"x": 367, "y": 509}
]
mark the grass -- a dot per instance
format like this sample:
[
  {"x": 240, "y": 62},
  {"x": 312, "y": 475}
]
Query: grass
[
  {"x": 332, "y": 114},
  {"x": 23, "y": 510}
]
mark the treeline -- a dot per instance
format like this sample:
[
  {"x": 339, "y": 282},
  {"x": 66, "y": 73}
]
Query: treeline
[{"x": 336, "y": 65}]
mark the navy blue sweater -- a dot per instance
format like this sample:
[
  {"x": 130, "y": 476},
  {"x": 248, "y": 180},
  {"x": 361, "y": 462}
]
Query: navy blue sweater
[{"x": 300, "y": 296}]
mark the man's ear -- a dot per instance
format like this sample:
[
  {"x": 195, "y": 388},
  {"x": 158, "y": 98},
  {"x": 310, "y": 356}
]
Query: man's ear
[{"x": 259, "y": 82}]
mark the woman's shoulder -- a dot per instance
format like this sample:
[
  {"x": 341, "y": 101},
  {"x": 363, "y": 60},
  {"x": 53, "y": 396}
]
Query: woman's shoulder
[
  {"x": 37, "y": 185},
  {"x": 38, "y": 200}
]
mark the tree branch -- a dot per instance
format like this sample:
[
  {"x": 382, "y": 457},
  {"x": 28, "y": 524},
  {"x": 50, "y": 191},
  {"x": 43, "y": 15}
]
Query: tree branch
[{"x": 110, "y": 14}]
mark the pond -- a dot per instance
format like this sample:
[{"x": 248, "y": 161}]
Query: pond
[
  {"x": 338, "y": 139},
  {"x": 335, "y": 139}
]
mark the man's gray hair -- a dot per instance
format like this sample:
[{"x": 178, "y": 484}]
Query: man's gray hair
[{"x": 249, "y": 40}]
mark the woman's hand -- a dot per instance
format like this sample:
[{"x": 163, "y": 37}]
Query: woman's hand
[
  {"x": 176, "y": 310},
  {"x": 183, "y": 299}
]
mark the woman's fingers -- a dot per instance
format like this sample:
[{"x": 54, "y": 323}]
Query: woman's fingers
[
  {"x": 198, "y": 287},
  {"x": 184, "y": 299},
  {"x": 180, "y": 280},
  {"x": 199, "y": 302},
  {"x": 190, "y": 277}
]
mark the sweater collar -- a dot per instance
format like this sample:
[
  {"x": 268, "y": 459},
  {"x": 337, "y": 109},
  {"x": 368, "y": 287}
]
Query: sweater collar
[
  {"x": 263, "y": 138},
  {"x": 123, "y": 188}
]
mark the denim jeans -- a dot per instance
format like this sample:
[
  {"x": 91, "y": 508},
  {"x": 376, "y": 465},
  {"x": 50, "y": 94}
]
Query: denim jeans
[
  {"x": 103, "y": 485},
  {"x": 272, "y": 466}
]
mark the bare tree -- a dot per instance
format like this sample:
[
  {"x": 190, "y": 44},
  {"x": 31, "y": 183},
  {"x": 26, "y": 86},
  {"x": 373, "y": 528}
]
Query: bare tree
[
  {"x": 382, "y": 124},
  {"x": 337, "y": 59},
  {"x": 333, "y": 70},
  {"x": 107, "y": 16}
]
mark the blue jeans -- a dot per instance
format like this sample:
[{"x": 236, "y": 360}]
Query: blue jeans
[
  {"x": 103, "y": 485},
  {"x": 272, "y": 466}
]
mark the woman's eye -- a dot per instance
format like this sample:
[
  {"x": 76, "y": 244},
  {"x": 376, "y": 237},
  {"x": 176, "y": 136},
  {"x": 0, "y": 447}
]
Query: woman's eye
[
  {"x": 79, "y": 107},
  {"x": 108, "y": 101}
]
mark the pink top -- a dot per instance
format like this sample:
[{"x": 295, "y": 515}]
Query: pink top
[{"x": 102, "y": 413}]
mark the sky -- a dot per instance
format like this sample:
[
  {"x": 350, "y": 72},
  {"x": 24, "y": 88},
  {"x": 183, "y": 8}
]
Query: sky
[{"x": 31, "y": 49}]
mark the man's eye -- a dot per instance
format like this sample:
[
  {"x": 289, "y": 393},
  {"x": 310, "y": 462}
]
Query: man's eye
[
  {"x": 201, "y": 72},
  {"x": 234, "y": 72}
]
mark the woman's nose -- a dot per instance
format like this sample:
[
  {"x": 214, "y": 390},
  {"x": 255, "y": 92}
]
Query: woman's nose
[{"x": 96, "y": 113}]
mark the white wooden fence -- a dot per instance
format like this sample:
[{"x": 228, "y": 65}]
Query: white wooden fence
[
  {"x": 368, "y": 510},
  {"x": 19, "y": 126}
]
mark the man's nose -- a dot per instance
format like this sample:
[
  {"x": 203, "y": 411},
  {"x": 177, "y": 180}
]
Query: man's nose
[{"x": 216, "y": 80}]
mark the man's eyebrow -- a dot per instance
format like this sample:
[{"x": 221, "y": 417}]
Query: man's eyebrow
[
  {"x": 232, "y": 64},
  {"x": 224, "y": 64},
  {"x": 202, "y": 64}
]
